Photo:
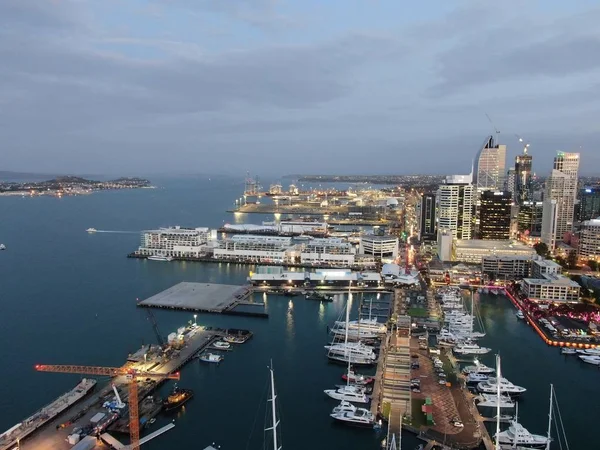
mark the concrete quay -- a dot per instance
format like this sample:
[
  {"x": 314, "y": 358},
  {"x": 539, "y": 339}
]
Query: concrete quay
[{"x": 53, "y": 435}]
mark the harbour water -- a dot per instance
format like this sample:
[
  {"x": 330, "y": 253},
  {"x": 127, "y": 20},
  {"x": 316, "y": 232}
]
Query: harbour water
[{"x": 69, "y": 297}]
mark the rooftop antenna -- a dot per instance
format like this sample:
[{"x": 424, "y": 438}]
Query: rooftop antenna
[{"x": 495, "y": 129}]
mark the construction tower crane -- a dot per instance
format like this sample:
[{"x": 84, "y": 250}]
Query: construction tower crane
[
  {"x": 132, "y": 376},
  {"x": 159, "y": 337}
]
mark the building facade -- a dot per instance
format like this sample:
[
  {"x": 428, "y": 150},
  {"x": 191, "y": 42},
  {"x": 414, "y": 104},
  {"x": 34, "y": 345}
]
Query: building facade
[
  {"x": 589, "y": 203},
  {"x": 506, "y": 267},
  {"x": 529, "y": 219},
  {"x": 559, "y": 199},
  {"x": 489, "y": 166},
  {"x": 328, "y": 251},
  {"x": 383, "y": 247},
  {"x": 523, "y": 177},
  {"x": 551, "y": 288},
  {"x": 176, "y": 242},
  {"x": 473, "y": 251},
  {"x": 589, "y": 240},
  {"x": 427, "y": 217},
  {"x": 272, "y": 249},
  {"x": 495, "y": 215},
  {"x": 456, "y": 203}
]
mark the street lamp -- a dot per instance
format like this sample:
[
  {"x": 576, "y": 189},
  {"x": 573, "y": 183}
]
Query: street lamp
[{"x": 195, "y": 324}]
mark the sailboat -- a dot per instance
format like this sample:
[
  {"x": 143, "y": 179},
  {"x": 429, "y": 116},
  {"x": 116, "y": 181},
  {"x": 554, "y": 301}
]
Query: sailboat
[
  {"x": 350, "y": 392},
  {"x": 275, "y": 422}
]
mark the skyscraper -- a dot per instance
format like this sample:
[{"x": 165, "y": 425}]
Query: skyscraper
[
  {"x": 489, "y": 166},
  {"x": 589, "y": 203},
  {"x": 495, "y": 215},
  {"x": 456, "y": 202},
  {"x": 523, "y": 177},
  {"x": 559, "y": 199},
  {"x": 510, "y": 183},
  {"x": 427, "y": 224}
]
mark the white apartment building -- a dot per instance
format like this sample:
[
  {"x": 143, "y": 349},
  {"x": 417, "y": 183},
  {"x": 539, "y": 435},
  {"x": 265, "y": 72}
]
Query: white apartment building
[
  {"x": 551, "y": 288},
  {"x": 589, "y": 240},
  {"x": 384, "y": 247},
  {"x": 473, "y": 251},
  {"x": 506, "y": 267},
  {"x": 456, "y": 202},
  {"x": 541, "y": 267},
  {"x": 256, "y": 248},
  {"x": 328, "y": 251},
  {"x": 176, "y": 241},
  {"x": 559, "y": 199}
]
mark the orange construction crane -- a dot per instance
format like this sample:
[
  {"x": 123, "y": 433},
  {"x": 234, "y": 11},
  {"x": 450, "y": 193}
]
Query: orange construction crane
[{"x": 131, "y": 374}]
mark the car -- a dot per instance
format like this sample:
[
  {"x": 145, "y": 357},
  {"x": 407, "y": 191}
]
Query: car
[{"x": 457, "y": 423}]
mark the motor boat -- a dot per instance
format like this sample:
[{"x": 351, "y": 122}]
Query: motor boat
[
  {"x": 590, "y": 359},
  {"x": 349, "y": 393},
  {"x": 590, "y": 352},
  {"x": 353, "y": 377},
  {"x": 470, "y": 349},
  {"x": 518, "y": 436},
  {"x": 491, "y": 400},
  {"x": 159, "y": 258},
  {"x": 478, "y": 368},
  {"x": 214, "y": 358},
  {"x": 91, "y": 230},
  {"x": 506, "y": 387},
  {"x": 361, "y": 417},
  {"x": 354, "y": 348},
  {"x": 344, "y": 406},
  {"x": 520, "y": 314},
  {"x": 222, "y": 345},
  {"x": 2, "y": 247},
  {"x": 568, "y": 351},
  {"x": 476, "y": 377}
]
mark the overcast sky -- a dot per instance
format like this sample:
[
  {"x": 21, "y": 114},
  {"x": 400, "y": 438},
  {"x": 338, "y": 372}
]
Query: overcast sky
[{"x": 289, "y": 86}]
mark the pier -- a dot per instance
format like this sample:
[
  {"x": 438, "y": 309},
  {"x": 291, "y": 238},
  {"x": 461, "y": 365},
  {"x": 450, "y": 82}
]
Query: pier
[
  {"x": 206, "y": 298},
  {"x": 52, "y": 434}
]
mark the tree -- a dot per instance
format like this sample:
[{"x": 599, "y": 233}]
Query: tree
[
  {"x": 541, "y": 249},
  {"x": 592, "y": 265}
]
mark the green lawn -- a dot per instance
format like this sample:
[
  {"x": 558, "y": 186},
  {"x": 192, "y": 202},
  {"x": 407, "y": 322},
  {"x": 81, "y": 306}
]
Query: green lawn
[
  {"x": 418, "y": 312},
  {"x": 418, "y": 416}
]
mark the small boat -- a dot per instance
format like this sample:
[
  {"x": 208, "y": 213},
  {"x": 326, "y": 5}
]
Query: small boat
[
  {"x": 357, "y": 378},
  {"x": 478, "y": 368},
  {"x": 211, "y": 358},
  {"x": 518, "y": 436},
  {"x": 590, "y": 359},
  {"x": 506, "y": 387},
  {"x": 350, "y": 393},
  {"x": 151, "y": 421},
  {"x": 222, "y": 344},
  {"x": 319, "y": 297},
  {"x": 2, "y": 247},
  {"x": 344, "y": 406},
  {"x": 233, "y": 339},
  {"x": 177, "y": 398},
  {"x": 474, "y": 377},
  {"x": 159, "y": 258},
  {"x": 568, "y": 351},
  {"x": 361, "y": 417},
  {"x": 491, "y": 401},
  {"x": 520, "y": 314},
  {"x": 91, "y": 230}
]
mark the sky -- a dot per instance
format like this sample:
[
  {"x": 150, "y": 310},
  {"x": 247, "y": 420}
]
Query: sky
[{"x": 274, "y": 87}]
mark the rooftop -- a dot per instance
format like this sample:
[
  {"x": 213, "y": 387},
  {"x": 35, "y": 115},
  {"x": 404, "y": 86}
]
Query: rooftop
[
  {"x": 557, "y": 280},
  {"x": 592, "y": 223},
  {"x": 375, "y": 238},
  {"x": 491, "y": 245},
  {"x": 548, "y": 263}
]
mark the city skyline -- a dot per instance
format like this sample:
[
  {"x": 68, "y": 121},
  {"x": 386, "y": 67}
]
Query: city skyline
[{"x": 203, "y": 87}]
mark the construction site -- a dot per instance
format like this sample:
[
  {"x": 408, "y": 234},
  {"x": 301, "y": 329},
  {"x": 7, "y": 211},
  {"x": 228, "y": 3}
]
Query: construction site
[{"x": 86, "y": 418}]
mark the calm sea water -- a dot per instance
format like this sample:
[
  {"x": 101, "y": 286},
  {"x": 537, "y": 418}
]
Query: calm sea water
[{"x": 69, "y": 297}]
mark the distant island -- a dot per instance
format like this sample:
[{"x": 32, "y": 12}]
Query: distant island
[{"x": 69, "y": 185}]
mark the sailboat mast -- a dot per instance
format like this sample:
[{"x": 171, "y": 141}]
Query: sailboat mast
[
  {"x": 472, "y": 314},
  {"x": 274, "y": 410},
  {"x": 550, "y": 417},
  {"x": 498, "y": 377},
  {"x": 347, "y": 351}
]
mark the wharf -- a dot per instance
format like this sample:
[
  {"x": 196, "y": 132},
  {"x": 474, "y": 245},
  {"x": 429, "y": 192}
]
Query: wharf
[
  {"x": 53, "y": 435},
  {"x": 206, "y": 298}
]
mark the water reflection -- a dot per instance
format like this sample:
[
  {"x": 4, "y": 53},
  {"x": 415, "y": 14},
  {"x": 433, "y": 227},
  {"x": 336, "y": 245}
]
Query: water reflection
[{"x": 321, "y": 313}]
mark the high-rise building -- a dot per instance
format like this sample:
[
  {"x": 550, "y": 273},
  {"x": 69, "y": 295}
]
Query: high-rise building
[
  {"x": 494, "y": 215},
  {"x": 456, "y": 202},
  {"x": 523, "y": 177},
  {"x": 489, "y": 166},
  {"x": 530, "y": 218},
  {"x": 427, "y": 219},
  {"x": 559, "y": 199},
  {"x": 589, "y": 240},
  {"x": 589, "y": 203},
  {"x": 510, "y": 185}
]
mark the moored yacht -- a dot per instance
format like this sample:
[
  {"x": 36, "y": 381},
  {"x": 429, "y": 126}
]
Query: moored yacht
[
  {"x": 506, "y": 387},
  {"x": 518, "y": 436},
  {"x": 354, "y": 348},
  {"x": 478, "y": 368},
  {"x": 520, "y": 314},
  {"x": 491, "y": 400},
  {"x": 356, "y": 378},
  {"x": 470, "y": 349},
  {"x": 91, "y": 230},
  {"x": 590, "y": 359},
  {"x": 349, "y": 393},
  {"x": 159, "y": 258},
  {"x": 361, "y": 417},
  {"x": 476, "y": 377}
]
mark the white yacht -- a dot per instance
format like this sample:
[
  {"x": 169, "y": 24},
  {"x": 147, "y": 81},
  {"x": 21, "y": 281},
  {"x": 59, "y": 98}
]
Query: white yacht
[
  {"x": 491, "y": 400},
  {"x": 349, "y": 393},
  {"x": 590, "y": 352},
  {"x": 355, "y": 333},
  {"x": 520, "y": 314},
  {"x": 470, "y": 349},
  {"x": 506, "y": 387},
  {"x": 91, "y": 230},
  {"x": 476, "y": 377},
  {"x": 222, "y": 345},
  {"x": 159, "y": 258},
  {"x": 361, "y": 417},
  {"x": 363, "y": 324},
  {"x": 2, "y": 247},
  {"x": 568, "y": 351},
  {"x": 354, "y": 348},
  {"x": 478, "y": 368},
  {"x": 344, "y": 406},
  {"x": 590, "y": 359},
  {"x": 518, "y": 436}
]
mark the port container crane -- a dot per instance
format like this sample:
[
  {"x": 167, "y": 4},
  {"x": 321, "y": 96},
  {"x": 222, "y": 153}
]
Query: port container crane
[{"x": 132, "y": 376}]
